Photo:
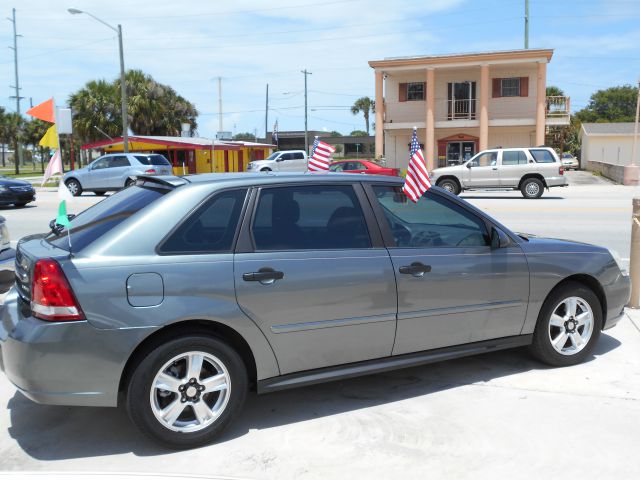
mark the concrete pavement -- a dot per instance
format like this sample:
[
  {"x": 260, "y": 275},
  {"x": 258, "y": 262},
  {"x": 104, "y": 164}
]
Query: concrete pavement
[{"x": 497, "y": 415}]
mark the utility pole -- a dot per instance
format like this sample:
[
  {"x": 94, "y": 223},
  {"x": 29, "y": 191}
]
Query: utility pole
[
  {"x": 220, "y": 105},
  {"x": 526, "y": 24},
  {"x": 17, "y": 96},
  {"x": 306, "y": 134},
  {"x": 634, "y": 148},
  {"x": 266, "y": 115}
]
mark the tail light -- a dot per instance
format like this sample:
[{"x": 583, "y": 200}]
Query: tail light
[
  {"x": 150, "y": 171},
  {"x": 51, "y": 296},
  {"x": 561, "y": 170},
  {"x": 396, "y": 172}
]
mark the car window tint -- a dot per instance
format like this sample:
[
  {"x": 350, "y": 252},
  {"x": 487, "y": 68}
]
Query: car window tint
[
  {"x": 433, "y": 221},
  {"x": 487, "y": 159},
  {"x": 102, "y": 217},
  {"x": 298, "y": 156},
  {"x": 313, "y": 217},
  {"x": 542, "y": 156},
  {"x": 119, "y": 161},
  {"x": 514, "y": 157},
  {"x": 286, "y": 156},
  {"x": 155, "y": 159},
  {"x": 337, "y": 167},
  {"x": 359, "y": 166},
  {"x": 210, "y": 229},
  {"x": 100, "y": 163}
]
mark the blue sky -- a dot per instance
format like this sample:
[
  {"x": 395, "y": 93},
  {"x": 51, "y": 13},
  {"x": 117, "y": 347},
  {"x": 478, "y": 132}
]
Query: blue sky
[{"x": 250, "y": 43}]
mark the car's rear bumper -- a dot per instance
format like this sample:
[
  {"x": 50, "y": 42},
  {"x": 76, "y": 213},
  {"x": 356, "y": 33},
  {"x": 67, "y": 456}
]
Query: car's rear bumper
[
  {"x": 63, "y": 363},
  {"x": 557, "y": 181}
]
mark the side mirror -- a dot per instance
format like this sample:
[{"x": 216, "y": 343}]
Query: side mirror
[
  {"x": 468, "y": 165},
  {"x": 499, "y": 239},
  {"x": 280, "y": 159}
]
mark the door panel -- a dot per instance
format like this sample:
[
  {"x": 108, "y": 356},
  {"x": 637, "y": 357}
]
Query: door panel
[
  {"x": 513, "y": 165},
  {"x": 484, "y": 171}
]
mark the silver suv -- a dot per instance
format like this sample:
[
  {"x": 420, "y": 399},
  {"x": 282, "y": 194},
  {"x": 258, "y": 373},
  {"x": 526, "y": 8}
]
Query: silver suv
[
  {"x": 529, "y": 170},
  {"x": 115, "y": 171},
  {"x": 282, "y": 161}
]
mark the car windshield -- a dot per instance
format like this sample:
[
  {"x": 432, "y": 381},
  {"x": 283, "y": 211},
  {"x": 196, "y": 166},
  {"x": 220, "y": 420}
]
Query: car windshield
[
  {"x": 102, "y": 217},
  {"x": 273, "y": 156},
  {"x": 155, "y": 159}
]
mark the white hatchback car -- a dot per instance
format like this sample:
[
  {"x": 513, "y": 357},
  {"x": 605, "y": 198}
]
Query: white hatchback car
[{"x": 529, "y": 170}]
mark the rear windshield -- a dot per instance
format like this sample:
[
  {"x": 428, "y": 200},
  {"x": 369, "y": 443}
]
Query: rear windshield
[
  {"x": 102, "y": 217},
  {"x": 155, "y": 159}
]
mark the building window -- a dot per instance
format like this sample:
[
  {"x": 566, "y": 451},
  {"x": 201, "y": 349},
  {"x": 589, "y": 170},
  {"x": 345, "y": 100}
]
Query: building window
[
  {"x": 415, "y": 91},
  {"x": 510, "y": 87}
]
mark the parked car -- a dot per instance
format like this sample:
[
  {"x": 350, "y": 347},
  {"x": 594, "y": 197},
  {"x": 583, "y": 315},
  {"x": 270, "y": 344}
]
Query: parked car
[
  {"x": 281, "y": 161},
  {"x": 115, "y": 171},
  {"x": 529, "y": 170},
  {"x": 7, "y": 258},
  {"x": 362, "y": 166},
  {"x": 570, "y": 162},
  {"x": 16, "y": 192},
  {"x": 180, "y": 294}
]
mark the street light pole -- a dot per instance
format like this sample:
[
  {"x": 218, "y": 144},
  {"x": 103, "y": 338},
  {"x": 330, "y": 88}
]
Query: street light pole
[
  {"x": 634, "y": 148},
  {"x": 306, "y": 134},
  {"x": 123, "y": 85}
]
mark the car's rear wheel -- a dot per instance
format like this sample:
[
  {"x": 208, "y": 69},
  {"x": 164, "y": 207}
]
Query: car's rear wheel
[
  {"x": 74, "y": 187},
  {"x": 532, "y": 188},
  {"x": 129, "y": 182},
  {"x": 568, "y": 326},
  {"x": 265, "y": 169},
  {"x": 449, "y": 185},
  {"x": 100, "y": 193},
  {"x": 186, "y": 391}
]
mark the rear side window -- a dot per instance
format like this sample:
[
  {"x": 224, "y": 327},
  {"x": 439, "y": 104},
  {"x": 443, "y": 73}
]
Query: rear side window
[
  {"x": 314, "y": 217},
  {"x": 102, "y": 217},
  {"x": 298, "y": 156},
  {"x": 210, "y": 229},
  {"x": 119, "y": 161},
  {"x": 514, "y": 157},
  {"x": 542, "y": 156},
  {"x": 155, "y": 159}
]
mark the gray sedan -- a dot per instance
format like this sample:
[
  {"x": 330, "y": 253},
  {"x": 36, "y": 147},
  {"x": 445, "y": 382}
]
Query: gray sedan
[
  {"x": 115, "y": 171},
  {"x": 175, "y": 296}
]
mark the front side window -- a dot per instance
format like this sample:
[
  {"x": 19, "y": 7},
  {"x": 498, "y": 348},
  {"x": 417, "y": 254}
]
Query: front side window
[
  {"x": 337, "y": 167},
  {"x": 487, "y": 159},
  {"x": 314, "y": 217},
  {"x": 100, "y": 163},
  {"x": 514, "y": 157},
  {"x": 431, "y": 222},
  {"x": 510, "y": 87},
  {"x": 286, "y": 156},
  {"x": 542, "y": 155},
  {"x": 210, "y": 229},
  {"x": 415, "y": 91}
]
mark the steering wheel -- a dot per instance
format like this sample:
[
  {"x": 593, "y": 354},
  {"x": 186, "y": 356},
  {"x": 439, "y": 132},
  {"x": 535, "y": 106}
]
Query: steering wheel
[
  {"x": 425, "y": 238},
  {"x": 467, "y": 238}
]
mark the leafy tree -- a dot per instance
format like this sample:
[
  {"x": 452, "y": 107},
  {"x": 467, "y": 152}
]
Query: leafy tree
[
  {"x": 152, "y": 108},
  {"x": 615, "y": 104},
  {"x": 12, "y": 134},
  {"x": 34, "y": 130},
  {"x": 335, "y": 133},
  {"x": 366, "y": 106},
  {"x": 358, "y": 133},
  {"x": 553, "y": 91},
  {"x": 246, "y": 137}
]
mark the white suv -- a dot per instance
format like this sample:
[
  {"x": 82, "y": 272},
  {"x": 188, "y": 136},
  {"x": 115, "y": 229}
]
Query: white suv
[
  {"x": 529, "y": 170},
  {"x": 282, "y": 161}
]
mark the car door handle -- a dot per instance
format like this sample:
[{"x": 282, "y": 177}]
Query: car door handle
[
  {"x": 265, "y": 275},
  {"x": 416, "y": 269},
  {"x": 494, "y": 168}
]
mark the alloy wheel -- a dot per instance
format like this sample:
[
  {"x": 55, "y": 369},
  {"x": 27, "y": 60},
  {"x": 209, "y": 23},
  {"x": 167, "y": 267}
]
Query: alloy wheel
[
  {"x": 571, "y": 326},
  {"x": 190, "y": 392},
  {"x": 532, "y": 189}
]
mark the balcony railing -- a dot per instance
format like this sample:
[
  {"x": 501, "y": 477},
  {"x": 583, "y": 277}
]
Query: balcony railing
[
  {"x": 464, "y": 109},
  {"x": 558, "y": 110}
]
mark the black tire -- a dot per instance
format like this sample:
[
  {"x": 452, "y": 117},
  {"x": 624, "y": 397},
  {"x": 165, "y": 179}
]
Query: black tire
[
  {"x": 265, "y": 169},
  {"x": 450, "y": 185},
  {"x": 138, "y": 400},
  {"x": 129, "y": 182},
  {"x": 74, "y": 187},
  {"x": 21, "y": 204},
  {"x": 100, "y": 193},
  {"x": 532, "y": 188},
  {"x": 542, "y": 347}
]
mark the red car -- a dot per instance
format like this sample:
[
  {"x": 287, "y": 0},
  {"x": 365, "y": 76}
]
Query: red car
[{"x": 362, "y": 166}]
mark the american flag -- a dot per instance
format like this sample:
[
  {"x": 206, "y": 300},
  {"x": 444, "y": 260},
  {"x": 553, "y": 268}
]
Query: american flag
[
  {"x": 417, "y": 180},
  {"x": 320, "y": 156}
]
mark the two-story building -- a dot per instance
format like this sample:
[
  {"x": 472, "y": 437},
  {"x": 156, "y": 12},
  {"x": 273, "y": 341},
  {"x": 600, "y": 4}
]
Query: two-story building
[{"x": 463, "y": 103}]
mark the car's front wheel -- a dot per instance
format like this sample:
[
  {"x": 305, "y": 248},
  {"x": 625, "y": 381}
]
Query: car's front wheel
[
  {"x": 74, "y": 187},
  {"x": 568, "y": 326},
  {"x": 532, "y": 188},
  {"x": 129, "y": 182},
  {"x": 186, "y": 391},
  {"x": 450, "y": 185}
]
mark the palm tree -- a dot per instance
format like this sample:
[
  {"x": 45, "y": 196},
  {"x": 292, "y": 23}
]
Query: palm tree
[
  {"x": 12, "y": 131},
  {"x": 366, "y": 106},
  {"x": 34, "y": 130},
  {"x": 95, "y": 105}
]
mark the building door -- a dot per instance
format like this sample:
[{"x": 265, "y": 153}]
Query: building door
[
  {"x": 259, "y": 154},
  {"x": 191, "y": 161},
  {"x": 460, "y": 152},
  {"x": 240, "y": 160},
  {"x": 462, "y": 100}
]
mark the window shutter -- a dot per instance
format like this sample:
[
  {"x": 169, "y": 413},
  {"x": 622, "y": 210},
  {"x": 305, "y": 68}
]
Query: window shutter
[
  {"x": 496, "y": 86},
  {"x": 402, "y": 95},
  {"x": 524, "y": 86}
]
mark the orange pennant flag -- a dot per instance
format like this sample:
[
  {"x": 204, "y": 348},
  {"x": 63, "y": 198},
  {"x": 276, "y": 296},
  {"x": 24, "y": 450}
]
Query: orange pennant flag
[{"x": 44, "y": 111}]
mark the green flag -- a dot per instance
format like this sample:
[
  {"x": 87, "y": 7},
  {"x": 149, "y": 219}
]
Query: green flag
[{"x": 62, "y": 218}]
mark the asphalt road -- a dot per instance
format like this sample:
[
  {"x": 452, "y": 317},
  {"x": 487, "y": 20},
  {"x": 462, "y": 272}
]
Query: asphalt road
[{"x": 499, "y": 415}]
